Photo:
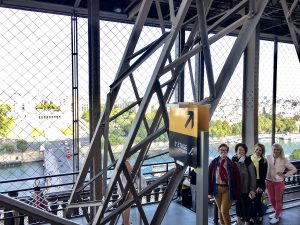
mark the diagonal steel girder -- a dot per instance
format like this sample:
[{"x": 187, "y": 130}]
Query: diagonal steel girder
[
  {"x": 140, "y": 21},
  {"x": 235, "y": 54},
  {"x": 177, "y": 23},
  {"x": 35, "y": 212},
  {"x": 153, "y": 86},
  {"x": 292, "y": 27}
]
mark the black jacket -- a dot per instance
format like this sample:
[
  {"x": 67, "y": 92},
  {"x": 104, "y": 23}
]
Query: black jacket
[{"x": 263, "y": 169}]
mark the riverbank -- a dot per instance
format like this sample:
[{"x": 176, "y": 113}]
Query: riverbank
[{"x": 17, "y": 158}]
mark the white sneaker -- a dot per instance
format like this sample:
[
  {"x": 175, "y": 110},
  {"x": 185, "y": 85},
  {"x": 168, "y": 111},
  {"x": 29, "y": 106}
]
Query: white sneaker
[
  {"x": 271, "y": 216},
  {"x": 274, "y": 220}
]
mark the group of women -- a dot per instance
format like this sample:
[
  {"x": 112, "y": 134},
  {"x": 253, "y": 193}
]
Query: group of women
[{"x": 244, "y": 179}]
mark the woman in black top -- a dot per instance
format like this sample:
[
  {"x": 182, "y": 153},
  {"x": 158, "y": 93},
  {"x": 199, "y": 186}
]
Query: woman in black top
[{"x": 261, "y": 168}]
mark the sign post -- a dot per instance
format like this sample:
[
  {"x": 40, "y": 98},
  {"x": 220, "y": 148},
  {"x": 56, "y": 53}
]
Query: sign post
[
  {"x": 188, "y": 135},
  {"x": 186, "y": 123}
]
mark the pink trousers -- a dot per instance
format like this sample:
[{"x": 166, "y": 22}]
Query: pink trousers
[{"x": 275, "y": 191}]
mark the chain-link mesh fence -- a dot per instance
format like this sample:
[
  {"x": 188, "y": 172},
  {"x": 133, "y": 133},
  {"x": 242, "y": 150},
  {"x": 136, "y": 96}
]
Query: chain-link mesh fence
[
  {"x": 226, "y": 123},
  {"x": 36, "y": 97},
  {"x": 287, "y": 101}
]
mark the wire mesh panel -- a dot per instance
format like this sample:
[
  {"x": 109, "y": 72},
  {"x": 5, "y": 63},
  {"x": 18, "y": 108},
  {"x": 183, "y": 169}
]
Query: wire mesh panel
[
  {"x": 287, "y": 102},
  {"x": 266, "y": 68},
  {"x": 35, "y": 95},
  {"x": 226, "y": 123}
]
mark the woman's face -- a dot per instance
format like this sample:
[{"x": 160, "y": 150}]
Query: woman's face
[
  {"x": 276, "y": 152},
  {"x": 257, "y": 151},
  {"x": 223, "y": 152},
  {"x": 240, "y": 151}
]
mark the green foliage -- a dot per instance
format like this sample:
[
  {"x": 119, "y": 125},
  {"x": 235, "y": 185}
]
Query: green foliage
[
  {"x": 86, "y": 114},
  {"x": 8, "y": 147},
  {"x": 297, "y": 117},
  {"x": 6, "y": 121},
  {"x": 219, "y": 128},
  {"x": 37, "y": 133},
  {"x": 285, "y": 125},
  {"x": 67, "y": 131},
  {"x": 236, "y": 128},
  {"x": 22, "y": 145},
  {"x": 264, "y": 123},
  {"x": 47, "y": 106},
  {"x": 290, "y": 125},
  {"x": 295, "y": 154}
]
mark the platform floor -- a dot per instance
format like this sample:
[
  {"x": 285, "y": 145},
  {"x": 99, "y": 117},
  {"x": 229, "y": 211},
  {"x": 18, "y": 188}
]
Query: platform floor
[{"x": 179, "y": 215}]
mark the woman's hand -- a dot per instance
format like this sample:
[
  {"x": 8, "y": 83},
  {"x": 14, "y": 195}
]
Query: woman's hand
[
  {"x": 280, "y": 174},
  {"x": 252, "y": 194},
  {"x": 259, "y": 190}
]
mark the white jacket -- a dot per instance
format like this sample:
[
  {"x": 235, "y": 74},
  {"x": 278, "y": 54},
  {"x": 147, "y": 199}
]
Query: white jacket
[{"x": 279, "y": 165}]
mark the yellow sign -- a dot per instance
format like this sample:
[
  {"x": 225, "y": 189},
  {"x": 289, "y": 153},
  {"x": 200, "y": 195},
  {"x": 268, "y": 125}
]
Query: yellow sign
[{"x": 189, "y": 119}]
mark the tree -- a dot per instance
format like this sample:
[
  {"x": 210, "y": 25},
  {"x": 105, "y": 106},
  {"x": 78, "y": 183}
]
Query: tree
[
  {"x": 8, "y": 147},
  {"x": 6, "y": 121},
  {"x": 295, "y": 154},
  {"x": 219, "y": 128},
  {"x": 236, "y": 128},
  {"x": 290, "y": 125},
  {"x": 47, "y": 106},
  {"x": 86, "y": 114},
  {"x": 22, "y": 146},
  {"x": 264, "y": 124}
]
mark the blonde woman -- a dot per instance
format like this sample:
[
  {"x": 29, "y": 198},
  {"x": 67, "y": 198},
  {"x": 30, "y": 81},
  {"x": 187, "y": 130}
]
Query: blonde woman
[{"x": 279, "y": 168}]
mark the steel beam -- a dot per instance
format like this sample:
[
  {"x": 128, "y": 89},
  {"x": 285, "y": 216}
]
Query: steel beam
[
  {"x": 250, "y": 91},
  {"x": 274, "y": 92},
  {"x": 75, "y": 95},
  {"x": 35, "y": 212},
  {"x": 179, "y": 44},
  {"x": 140, "y": 21},
  {"x": 147, "y": 96},
  {"x": 94, "y": 94},
  {"x": 198, "y": 48},
  {"x": 290, "y": 24},
  {"x": 235, "y": 55},
  {"x": 168, "y": 195},
  {"x": 205, "y": 47}
]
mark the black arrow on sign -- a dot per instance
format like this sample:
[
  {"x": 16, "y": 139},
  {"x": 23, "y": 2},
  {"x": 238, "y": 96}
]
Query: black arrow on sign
[{"x": 191, "y": 118}]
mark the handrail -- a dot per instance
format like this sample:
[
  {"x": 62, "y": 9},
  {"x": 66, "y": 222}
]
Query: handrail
[{"x": 33, "y": 211}]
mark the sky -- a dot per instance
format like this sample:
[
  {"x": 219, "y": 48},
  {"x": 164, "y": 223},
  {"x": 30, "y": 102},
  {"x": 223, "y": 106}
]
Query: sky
[{"x": 35, "y": 52}]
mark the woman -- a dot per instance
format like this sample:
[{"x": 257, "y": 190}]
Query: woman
[
  {"x": 261, "y": 167},
  {"x": 224, "y": 183},
  {"x": 248, "y": 183},
  {"x": 279, "y": 168},
  {"x": 126, "y": 212}
]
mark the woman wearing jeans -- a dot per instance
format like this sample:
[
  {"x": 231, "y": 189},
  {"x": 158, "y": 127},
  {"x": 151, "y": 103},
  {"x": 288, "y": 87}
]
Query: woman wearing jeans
[{"x": 279, "y": 168}]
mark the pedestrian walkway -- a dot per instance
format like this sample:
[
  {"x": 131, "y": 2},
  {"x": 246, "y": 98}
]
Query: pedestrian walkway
[{"x": 180, "y": 215}]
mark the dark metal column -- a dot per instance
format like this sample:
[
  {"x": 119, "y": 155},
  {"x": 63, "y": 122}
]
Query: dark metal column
[
  {"x": 199, "y": 76},
  {"x": 94, "y": 93},
  {"x": 179, "y": 44},
  {"x": 274, "y": 98},
  {"x": 250, "y": 91},
  {"x": 202, "y": 186},
  {"x": 75, "y": 105}
]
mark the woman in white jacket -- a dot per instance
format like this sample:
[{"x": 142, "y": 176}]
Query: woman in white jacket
[{"x": 279, "y": 168}]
